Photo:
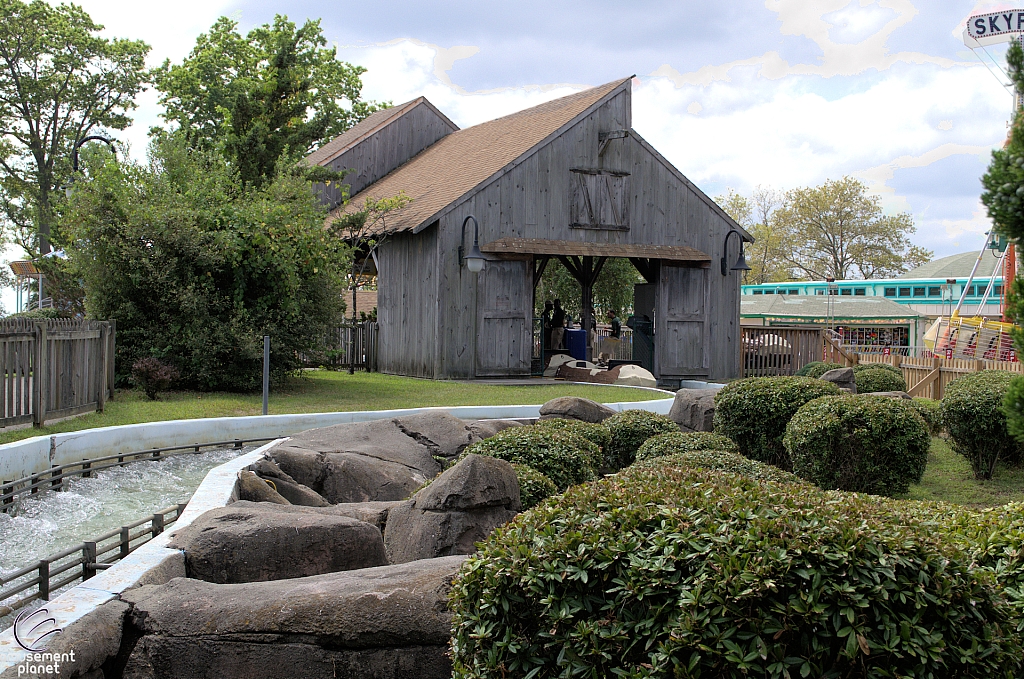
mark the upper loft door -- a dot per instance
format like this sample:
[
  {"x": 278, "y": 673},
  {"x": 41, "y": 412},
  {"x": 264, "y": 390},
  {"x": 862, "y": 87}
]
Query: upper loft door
[
  {"x": 682, "y": 338},
  {"x": 504, "y": 319}
]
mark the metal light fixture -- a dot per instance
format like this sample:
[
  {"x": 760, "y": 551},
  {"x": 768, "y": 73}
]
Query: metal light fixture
[
  {"x": 475, "y": 259},
  {"x": 69, "y": 188},
  {"x": 741, "y": 262}
]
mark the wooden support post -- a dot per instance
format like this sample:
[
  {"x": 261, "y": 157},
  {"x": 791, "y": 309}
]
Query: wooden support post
[
  {"x": 111, "y": 346},
  {"x": 86, "y": 466},
  {"x": 937, "y": 384},
  {"x": 158, "y": 524},
  {"x": 126, "y": 537},
  {"x": 39, "y": 377},
  {"x": 101, "y": 397},
  {"x": 44, "y": 580},
  {"x": 88, "y": 560}
]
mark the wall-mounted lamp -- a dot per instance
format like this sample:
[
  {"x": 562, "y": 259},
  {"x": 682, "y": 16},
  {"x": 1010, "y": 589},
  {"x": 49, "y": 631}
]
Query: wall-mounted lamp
[
  {"x": 741, "y": 263},
  {"x": 475, "y": 259}
]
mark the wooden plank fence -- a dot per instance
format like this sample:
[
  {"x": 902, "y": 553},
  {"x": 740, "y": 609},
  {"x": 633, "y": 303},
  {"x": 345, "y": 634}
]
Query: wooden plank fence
[
  {"x": 334, "y": 352},
  {"x": 54, "y": 368},
  {"x": 768, "y": 351}
]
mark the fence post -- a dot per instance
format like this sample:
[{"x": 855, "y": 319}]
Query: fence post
[
  {"x": 158, "y": 524},
  {"x": 112, "y": 349},
  {"x": 101, "y": 399},
  {"x": 88, "y": 560},
  {"x": 126, "y": 538},
  {"x": 44, "y": 580},
  {"x": 39, "y": 377},
  {"x": 937, "y": 384}
]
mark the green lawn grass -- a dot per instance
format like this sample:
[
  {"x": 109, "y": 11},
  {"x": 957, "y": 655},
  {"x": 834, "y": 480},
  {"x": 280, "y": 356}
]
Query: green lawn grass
[
  {"x": 326, "y": 391},
  {"x": 949, "y": 478}
]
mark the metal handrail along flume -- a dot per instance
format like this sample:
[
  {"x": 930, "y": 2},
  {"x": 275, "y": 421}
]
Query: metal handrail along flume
[
  {"x": 90, "y": 557},
  {"x": 53, "y": 477}
]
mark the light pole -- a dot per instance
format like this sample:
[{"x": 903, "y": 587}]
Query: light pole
[{"x": 69, "y": 187}]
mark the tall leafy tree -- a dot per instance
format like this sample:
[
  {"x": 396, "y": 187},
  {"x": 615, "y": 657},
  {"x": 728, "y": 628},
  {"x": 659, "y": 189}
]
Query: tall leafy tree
[
  {"x": 837, "y": 230},
  {"x": 758, "y": 214},
  {"x": 59, "y": 82},
  {"x": 275, "y": 94},
  {"x": 1004, "y": 181}
]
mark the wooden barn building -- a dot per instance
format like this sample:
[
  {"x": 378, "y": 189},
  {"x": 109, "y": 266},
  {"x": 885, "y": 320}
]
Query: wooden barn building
[{"x": 569, "y": 179}]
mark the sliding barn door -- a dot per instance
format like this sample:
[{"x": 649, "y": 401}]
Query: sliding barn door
[
  {"x": 504, "y": 321},
  {"x": 681, "y": 337}
]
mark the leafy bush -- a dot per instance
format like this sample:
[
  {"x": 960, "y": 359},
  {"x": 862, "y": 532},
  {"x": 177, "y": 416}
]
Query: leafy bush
[
  {"x": 534, "y": 487},
  {"x": 565, "y": 459},
  {"x": 197, "y": 272},
  {"x": 629, "y": 430},
  {"x": 678, "y": 442},
  {"x": 724, "y": 461},
  {"x": 930, "y": 411},
  {"x": 816, "y": 369},
  {"x": 597, "y": 434},
  {"x": 668, "y": 571},
  {"x": 153, "y": 376},
  {"x": 866, "y": 444},
  {"x": 878, "y": 379},
  {"x": 1013, "y": 408},
  {"x": 754, "y": 413},
  {"x": 972, "y": 412},
  {"x": 861, "y": 367}
]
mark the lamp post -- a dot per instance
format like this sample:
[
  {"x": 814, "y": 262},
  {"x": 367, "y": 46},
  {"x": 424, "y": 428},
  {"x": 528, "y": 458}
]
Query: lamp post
[
  {"x": 741, "y": 262},
  {"x": 475, "y": 259},
  {"x": 69, "y": 187}
]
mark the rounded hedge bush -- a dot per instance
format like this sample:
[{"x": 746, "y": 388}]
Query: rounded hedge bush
[
  {"x": 629, "y": 430},
  {"x": 816, "y": 369},
  {"x": 861, "y": 367},
  {"x": 754, "y": 413},
  {"x": 667, "y": 571},
  {"x": 678, "y": 442},
  {"x": 930, "y": 411},
  {"x": 972, "y": 412},
  {"x": 534, "y": 487},
  {"x": 878, "y": 378},
  {"x": 864, "y": 443},
  {"x": 725, "y": 461},
  {"x": 565, "y": 459},
  {"x": 1013, "y": 408},
  {"x": 597, "y": 434}
]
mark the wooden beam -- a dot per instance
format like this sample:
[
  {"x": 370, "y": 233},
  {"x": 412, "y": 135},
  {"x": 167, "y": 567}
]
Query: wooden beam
[
  {"x": 539, "y": 265},
  {"x": 509, "y": 247},
  {"x": 573, "y": 266}
]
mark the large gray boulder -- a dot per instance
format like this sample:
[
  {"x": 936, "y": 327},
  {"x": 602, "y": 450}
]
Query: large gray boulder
[
  {"x": 842, "y": 378},
  {"x": 375, "y": 513},
  {"x": 286, "y": 486},
  {"x": 694, "y": 409},
  {"x": 358, "y": 462},
  {"x": 443, "y": 434},
  {"x": 255, "y": 489},
  {"x": 253, "y": 542},
  {"x": 485, "y": 429},
  {"x": 574, "y": 408},
  {"x": 458, "y": 509},
  {"x": 378, "y": 623}
]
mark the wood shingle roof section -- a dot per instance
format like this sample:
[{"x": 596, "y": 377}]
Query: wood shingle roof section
[
  {"x": 365, "y": 127},
  {"x": 458, "y": 163}
]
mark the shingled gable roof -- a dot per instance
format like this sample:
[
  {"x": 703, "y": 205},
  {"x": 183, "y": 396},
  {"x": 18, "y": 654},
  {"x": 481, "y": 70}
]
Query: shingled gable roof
[
  {"x": 443, "y": 173},
  {"x": 367, "y": 126}
]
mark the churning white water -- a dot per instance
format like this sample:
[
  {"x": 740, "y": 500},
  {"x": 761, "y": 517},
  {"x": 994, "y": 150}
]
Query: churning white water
[{"x": 50, "y": 522}]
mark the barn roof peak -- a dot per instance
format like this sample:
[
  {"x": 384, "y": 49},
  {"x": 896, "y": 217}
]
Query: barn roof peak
[{"x": 443, "y": 173}]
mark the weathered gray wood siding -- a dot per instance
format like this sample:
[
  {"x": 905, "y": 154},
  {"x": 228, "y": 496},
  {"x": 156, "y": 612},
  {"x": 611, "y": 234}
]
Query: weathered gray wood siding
[
  {"x": 407, "y": 304},
  {"x": 384, "y": 150},
  {"x": 532, "y": 200}
]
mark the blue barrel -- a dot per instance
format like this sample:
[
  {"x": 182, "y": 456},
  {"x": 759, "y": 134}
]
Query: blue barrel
[{"x": 576, "y": 343}]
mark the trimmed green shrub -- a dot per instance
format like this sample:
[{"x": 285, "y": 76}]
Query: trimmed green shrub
[
  {"x": 724, "y": 461},
  {"x": 534, "y": 487},
  {"x": 816, "y": 369},
  {"x": 566, "y": 459},
  {"x": 597, "y": 434},
  {"x": 861, "y": 367},
  {"x": 878, "y": 378},
  {"x": 667, "y": 571},
  {"x": 678, "y": 442},
  {"x": 864, "y": 443},
  {"x": 1013, "y": 408},
  {"x": 754, "y": 413},
  {"x": 931, "y": 412},
  {"x": 972, "y": 412},
  {"x": 629, "y": 430}
]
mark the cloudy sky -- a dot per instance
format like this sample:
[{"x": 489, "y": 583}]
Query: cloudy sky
[{"x": 780, "y": 93}]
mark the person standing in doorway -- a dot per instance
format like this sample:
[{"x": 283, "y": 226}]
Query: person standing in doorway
[
  {"x": 545, "y": 327},
  {"x": 557, "y": 325},
  {"x": 611, "y": 343}
]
